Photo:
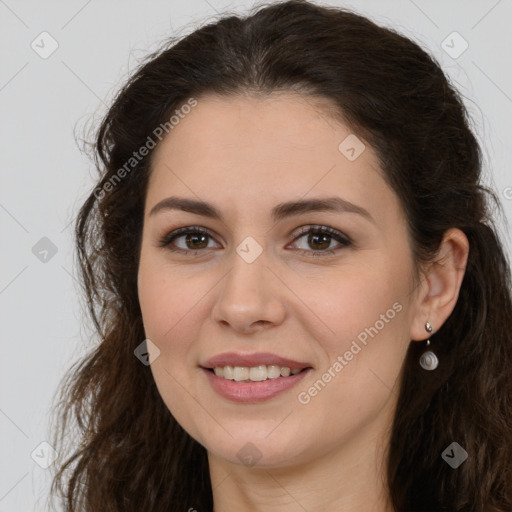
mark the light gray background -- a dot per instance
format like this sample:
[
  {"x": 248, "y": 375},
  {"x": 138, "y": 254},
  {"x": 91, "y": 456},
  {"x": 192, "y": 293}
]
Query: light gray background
[{"x": 45, "y": 177}]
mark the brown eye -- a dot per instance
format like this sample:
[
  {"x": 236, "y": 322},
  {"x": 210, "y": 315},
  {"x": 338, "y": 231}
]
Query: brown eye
[
  {"x": 320, "y": 238},
  {"x": 195, "y": 239}
]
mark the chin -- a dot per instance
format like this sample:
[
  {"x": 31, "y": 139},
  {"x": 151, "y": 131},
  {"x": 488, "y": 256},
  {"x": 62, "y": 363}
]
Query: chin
[{"x": 256, "y": 447}]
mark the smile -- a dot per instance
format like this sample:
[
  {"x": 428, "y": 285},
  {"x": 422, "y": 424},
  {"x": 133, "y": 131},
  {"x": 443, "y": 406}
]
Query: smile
[
  {"x": 249, "y": 391},
  {"x": 254, "y": 373}
]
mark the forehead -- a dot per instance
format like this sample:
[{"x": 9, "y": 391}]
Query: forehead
[
  {"x": 280, "y": 125},
  {"x": 276, "y": 147}
]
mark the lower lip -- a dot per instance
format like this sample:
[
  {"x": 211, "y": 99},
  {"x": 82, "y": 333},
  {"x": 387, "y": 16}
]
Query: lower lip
[{"x": 253, "y": 392}]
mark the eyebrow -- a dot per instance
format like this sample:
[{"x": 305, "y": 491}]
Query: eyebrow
[{"x": 279, "y": 212}]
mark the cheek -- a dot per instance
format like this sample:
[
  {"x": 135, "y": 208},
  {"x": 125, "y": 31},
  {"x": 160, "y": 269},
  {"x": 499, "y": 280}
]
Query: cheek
[
  {"x": 166, "y": 312},
  {"x": 154, "y": 302},
  {"x": 365, "y": 335},
  {"x": 357, "y": 298},
  {"x": 362, "y": 356},
  {"x": 173, "y": 310},
  {"x": 164, "y": 301}
]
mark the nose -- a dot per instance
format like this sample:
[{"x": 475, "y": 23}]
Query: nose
[{"x": 250, "y": 297}]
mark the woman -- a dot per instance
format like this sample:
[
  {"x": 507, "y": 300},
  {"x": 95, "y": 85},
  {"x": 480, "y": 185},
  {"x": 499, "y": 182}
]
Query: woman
[{"x": 301, "y": 299}]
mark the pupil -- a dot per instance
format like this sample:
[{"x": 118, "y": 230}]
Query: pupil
[
  {"x": 313, "y": 239},
  {"x": 315, "y": 236},
  {"x": 189, "y": 237}
]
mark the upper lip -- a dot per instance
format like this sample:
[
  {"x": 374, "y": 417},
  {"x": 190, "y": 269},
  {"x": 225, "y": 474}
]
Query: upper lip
[{"x": 255, "y": 359}]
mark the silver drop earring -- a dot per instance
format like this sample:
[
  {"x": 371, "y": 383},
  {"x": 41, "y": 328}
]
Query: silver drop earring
[{"x": 428, "y": 360}]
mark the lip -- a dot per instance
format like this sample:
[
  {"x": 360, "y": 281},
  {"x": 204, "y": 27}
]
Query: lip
[
  {"x": 252, "y": 392},
  {"x": 255, "y": 359}
]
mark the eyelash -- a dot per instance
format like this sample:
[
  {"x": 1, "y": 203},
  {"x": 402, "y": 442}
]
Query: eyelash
[{"x": 344, "y": 240}]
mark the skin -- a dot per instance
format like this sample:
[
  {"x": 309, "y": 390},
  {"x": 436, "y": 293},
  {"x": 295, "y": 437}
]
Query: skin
[{"x": 245, "y": 155}]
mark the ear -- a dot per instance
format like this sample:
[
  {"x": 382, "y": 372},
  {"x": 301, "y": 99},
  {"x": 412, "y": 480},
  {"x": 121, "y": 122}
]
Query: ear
[{"x": 440, "y": 284}]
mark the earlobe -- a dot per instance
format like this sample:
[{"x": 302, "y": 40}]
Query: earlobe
[{"x": 441, "y": 283}]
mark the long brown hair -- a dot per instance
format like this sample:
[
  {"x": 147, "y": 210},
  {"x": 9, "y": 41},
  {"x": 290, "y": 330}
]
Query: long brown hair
[{"x": 132, "y": 455}]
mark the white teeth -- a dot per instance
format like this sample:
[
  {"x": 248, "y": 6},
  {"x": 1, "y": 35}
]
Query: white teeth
[
  {"x": 258, "y": 373},
  {"x": 254, "y": 373},
  {"x": 285, "y": 371},
  {"x": 273, "y": 371},
  {"x": 240, "y": 373}
]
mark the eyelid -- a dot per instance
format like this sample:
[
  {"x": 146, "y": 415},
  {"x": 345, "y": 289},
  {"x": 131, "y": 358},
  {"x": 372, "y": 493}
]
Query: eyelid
[
  {"x": 166, "y": 239},
  {"x": 323, "y": 229},
  {"x": 340, "y": 237}
]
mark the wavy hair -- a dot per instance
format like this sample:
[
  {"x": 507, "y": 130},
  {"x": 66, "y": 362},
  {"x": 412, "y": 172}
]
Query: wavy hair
[{"x": 132, "y": 455}]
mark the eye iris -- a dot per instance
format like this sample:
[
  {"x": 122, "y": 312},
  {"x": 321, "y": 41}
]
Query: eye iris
[
  {"x": 314, "y": 236},
  {"x": 193, "y": 236}
]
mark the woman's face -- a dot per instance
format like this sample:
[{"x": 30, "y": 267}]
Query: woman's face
[{"x": 258, "y": 288}]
